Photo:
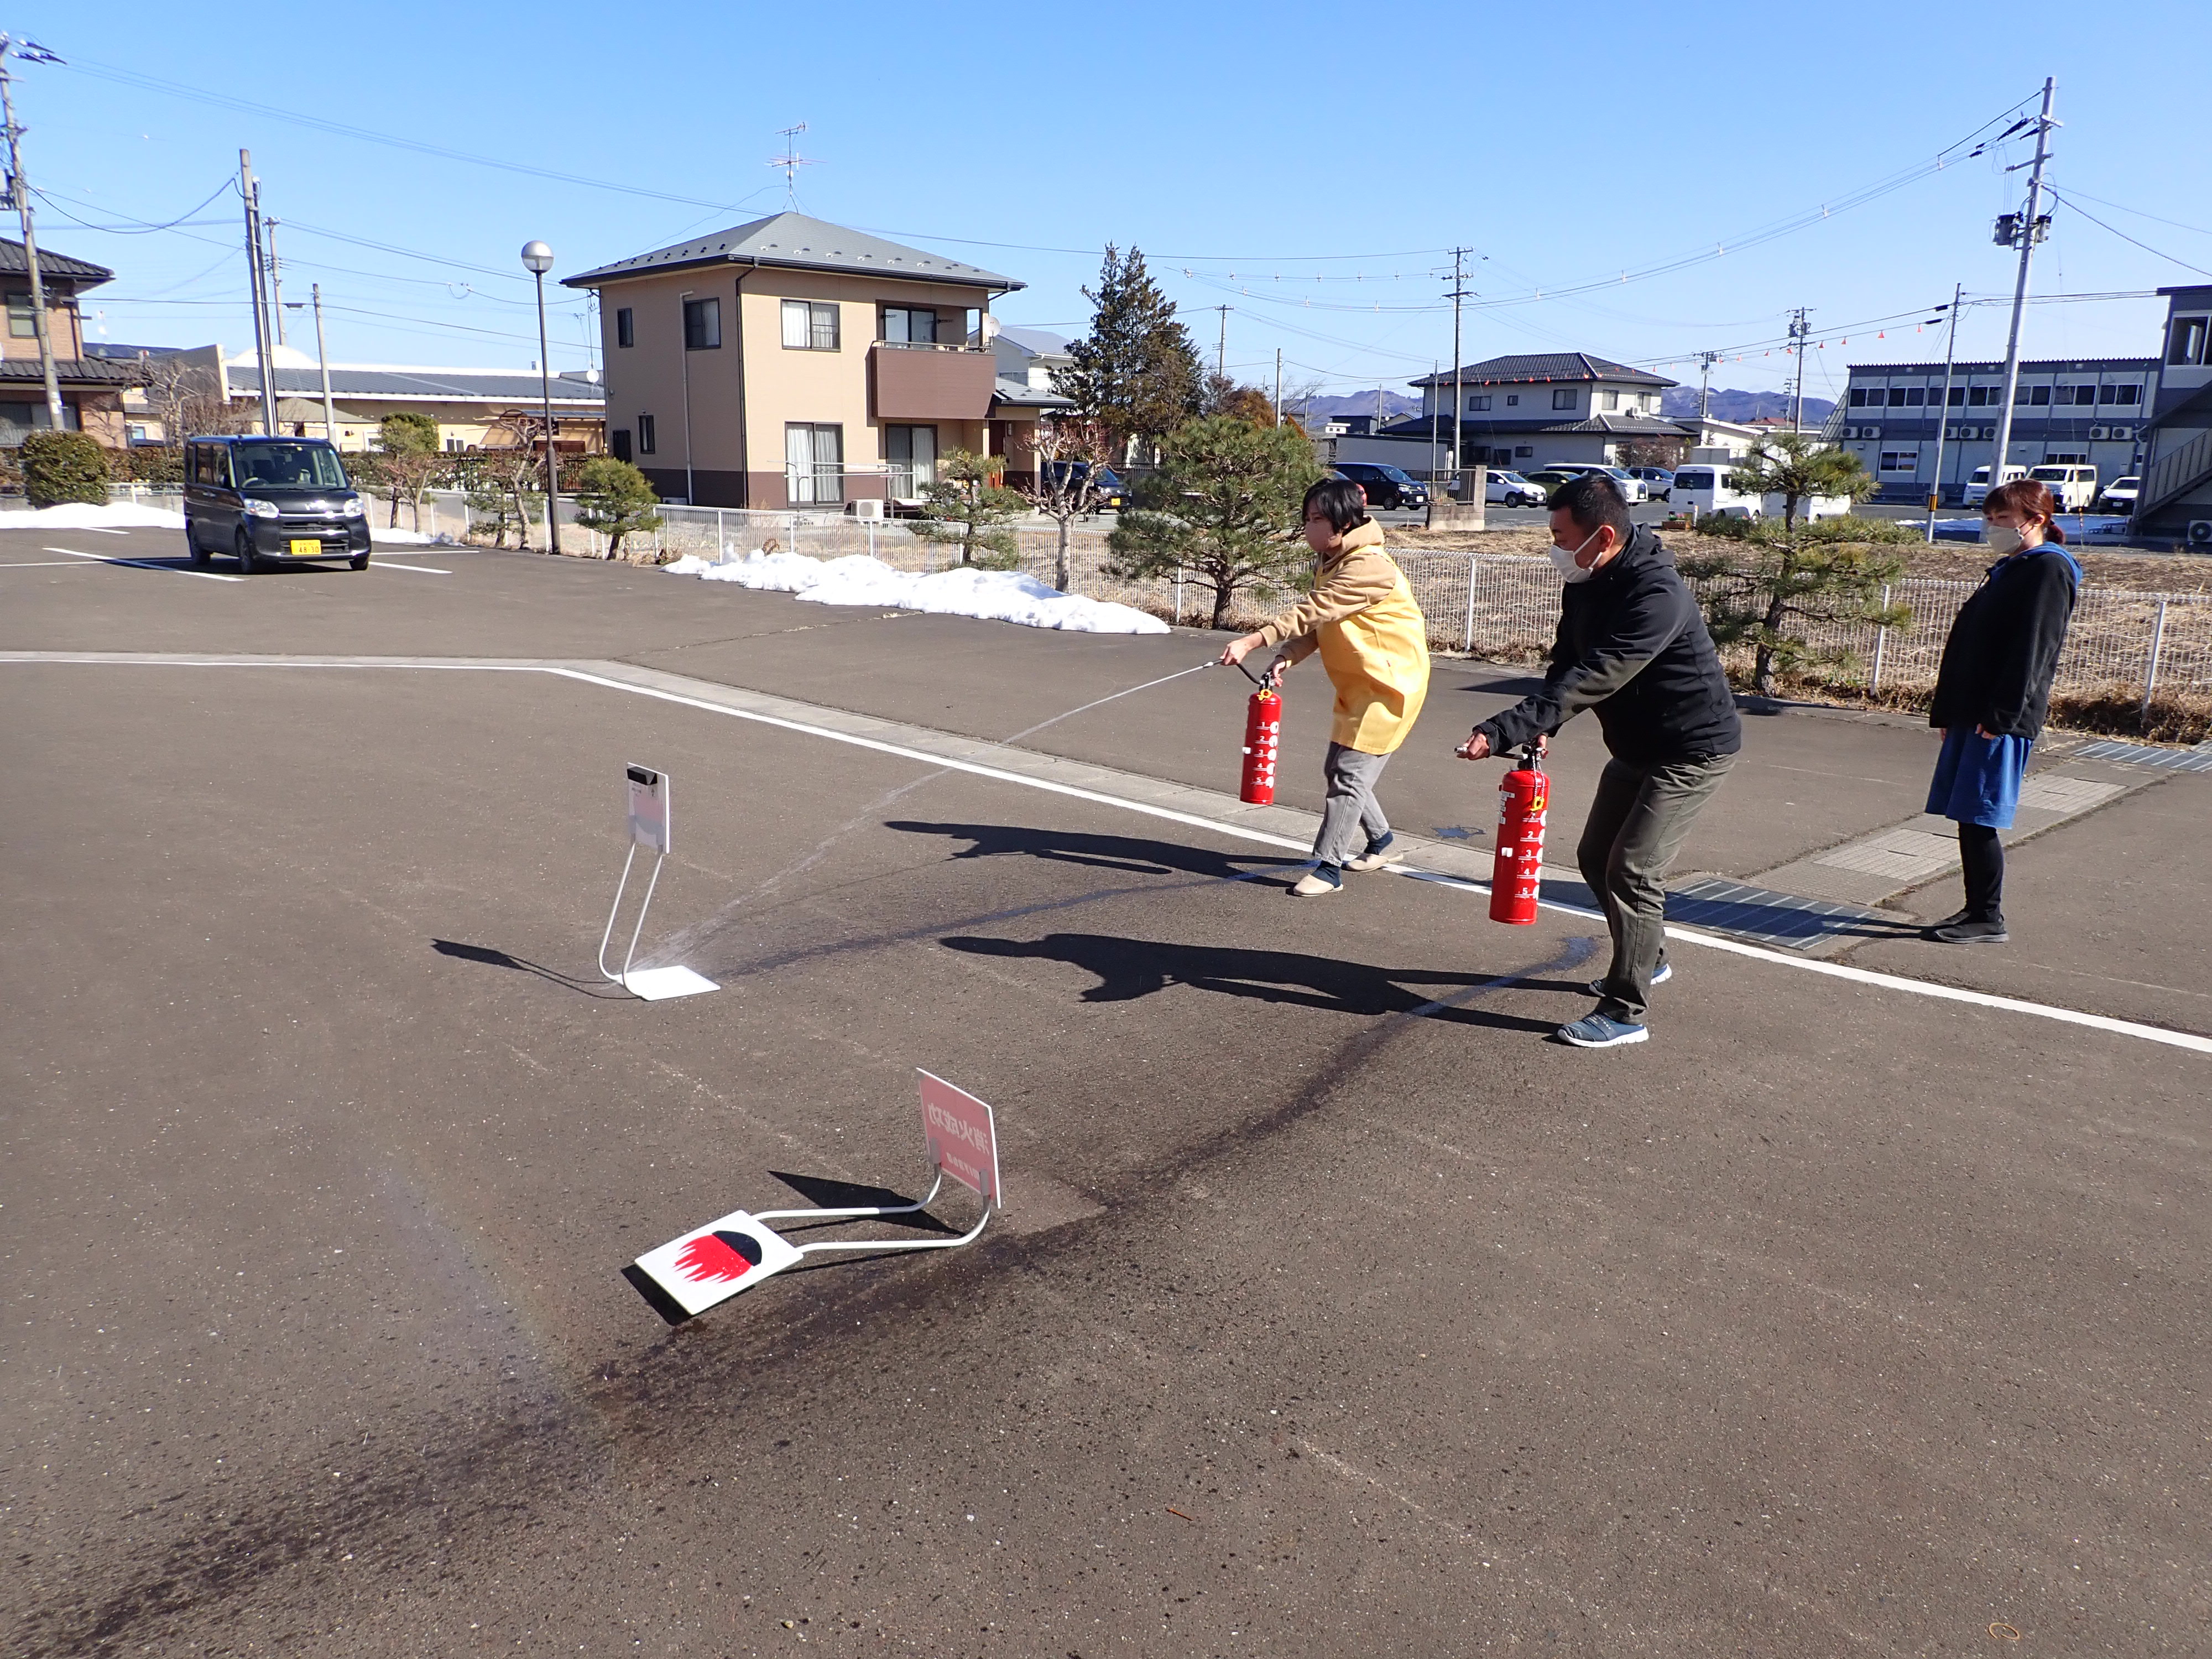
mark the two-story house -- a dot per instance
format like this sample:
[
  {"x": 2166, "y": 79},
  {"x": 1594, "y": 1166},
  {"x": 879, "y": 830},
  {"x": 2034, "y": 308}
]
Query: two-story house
[
  {"x": 792, "y": 363},
  {"x": 92, "y": 387},
  {"x": 1529, "y": 410}
]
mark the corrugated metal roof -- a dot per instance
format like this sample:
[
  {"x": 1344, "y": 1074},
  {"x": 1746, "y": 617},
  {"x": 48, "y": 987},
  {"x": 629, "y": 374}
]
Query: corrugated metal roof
[
  {"x": 517, "y": 388},
  {"x": 72, "y": 370},
  {"x": 1546, "y": 366},
  {"x": 794, "y": 241},
  {"x": 52, "y": 263},
  {"x": 2037, "y": 365},
  {"x": 1021, "y": 395}
]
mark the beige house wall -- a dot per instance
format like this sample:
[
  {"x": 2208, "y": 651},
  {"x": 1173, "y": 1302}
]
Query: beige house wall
[
  {"x": 732, "y": 434},
  {"x": 63, "y": 323}
]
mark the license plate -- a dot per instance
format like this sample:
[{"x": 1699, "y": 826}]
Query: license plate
[{"x": 303, "y": 547}]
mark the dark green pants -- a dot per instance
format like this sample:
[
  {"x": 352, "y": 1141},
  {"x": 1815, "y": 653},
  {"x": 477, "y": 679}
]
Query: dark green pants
[{"x": 1637, "y": 820}]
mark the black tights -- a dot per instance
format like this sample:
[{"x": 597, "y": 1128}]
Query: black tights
[{"x": 1981, "y": 855}]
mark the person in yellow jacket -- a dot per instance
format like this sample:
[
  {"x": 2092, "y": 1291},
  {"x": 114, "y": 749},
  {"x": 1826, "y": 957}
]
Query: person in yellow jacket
[{"x": 1373, "y": 642}]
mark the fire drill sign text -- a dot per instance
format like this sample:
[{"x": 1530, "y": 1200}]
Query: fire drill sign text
[{"x": 964, "y": 1139}]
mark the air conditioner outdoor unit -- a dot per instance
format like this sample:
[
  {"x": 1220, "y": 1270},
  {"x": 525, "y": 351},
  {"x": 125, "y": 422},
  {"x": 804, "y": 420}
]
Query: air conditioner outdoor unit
[
  {"x": 2200, "y": 533},
  {"x": 2124, "y": 432},
  {"x": 2098, "y": 434},
  {"x": 868, "y": 506}
]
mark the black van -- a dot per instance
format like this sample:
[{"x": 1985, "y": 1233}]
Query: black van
[
  {"x": 274, "y": 501},
  {"x": 1386, "y": 486}
]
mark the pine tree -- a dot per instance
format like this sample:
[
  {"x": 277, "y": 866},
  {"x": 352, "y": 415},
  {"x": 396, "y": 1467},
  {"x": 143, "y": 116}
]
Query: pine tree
[{"x": 1137, "y": 372}]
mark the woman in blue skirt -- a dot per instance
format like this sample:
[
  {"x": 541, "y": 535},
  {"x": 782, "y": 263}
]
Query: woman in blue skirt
[{"x": 1992, "y": 692}]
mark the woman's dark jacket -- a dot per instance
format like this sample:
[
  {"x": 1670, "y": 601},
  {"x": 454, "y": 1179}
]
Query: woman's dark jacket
[
  {"x": 2004, "y": 644},
  {"x": 1631, "y": 645}
]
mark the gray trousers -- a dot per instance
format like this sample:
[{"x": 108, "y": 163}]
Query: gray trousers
[
  {"x": 1351, "y": 817},
  {"x": 1637, "y": 821}
]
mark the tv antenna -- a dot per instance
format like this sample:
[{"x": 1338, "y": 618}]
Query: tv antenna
[{"x": 791, "y": 160}]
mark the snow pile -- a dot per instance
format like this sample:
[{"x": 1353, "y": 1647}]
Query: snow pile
[
  {"x": 80, "y": 515},
  {"x": 987, "y": 595},
  {"x": 383, "y": 536}
]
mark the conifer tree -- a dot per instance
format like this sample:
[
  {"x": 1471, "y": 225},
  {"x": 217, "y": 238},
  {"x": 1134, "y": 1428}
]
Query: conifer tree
[{"x": 1137, "y": 372}]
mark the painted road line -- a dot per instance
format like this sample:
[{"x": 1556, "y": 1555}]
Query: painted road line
[
  {"x": 98, "y": 530},
  {"x": 379, "y": 563},
  {"x": 44, "y": 564},
  {"x": 584, "y": 676},
  {"x": 143, "y": 564}
]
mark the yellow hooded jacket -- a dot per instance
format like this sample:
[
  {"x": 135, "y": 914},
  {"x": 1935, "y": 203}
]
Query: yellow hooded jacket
[{"x": 1372, "y": 639}]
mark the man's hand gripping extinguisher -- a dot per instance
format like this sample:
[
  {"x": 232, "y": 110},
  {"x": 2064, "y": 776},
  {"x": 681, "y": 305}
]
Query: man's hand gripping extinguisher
[
  {"x": 1517, "y": 873},
  {"x": 1263, "y": 736}
]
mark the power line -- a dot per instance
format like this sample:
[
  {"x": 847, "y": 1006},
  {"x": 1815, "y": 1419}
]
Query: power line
[
  {"x": 138, "y": 227},
  {"x": 2056, "y": 195}
]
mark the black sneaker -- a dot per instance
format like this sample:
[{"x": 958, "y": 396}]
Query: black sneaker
[
  {"x": 1968, "y": 932},
  {"x": 1665, "y": 972},
  {"x": 1953, "y": 920}
]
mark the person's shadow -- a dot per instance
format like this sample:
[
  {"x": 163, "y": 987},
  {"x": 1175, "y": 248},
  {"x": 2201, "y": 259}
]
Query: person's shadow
[{"x": 1128, "y": 968}]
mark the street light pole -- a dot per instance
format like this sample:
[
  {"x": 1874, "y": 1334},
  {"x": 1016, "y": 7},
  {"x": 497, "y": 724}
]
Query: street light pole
[
  {"x": 538, "y": 258},
  {"x": 683, "y": 330},
  {"x": 2026, "y": 239},
  {"x": 1943, "y": 414},
  {"x": 21, "y": 189}
]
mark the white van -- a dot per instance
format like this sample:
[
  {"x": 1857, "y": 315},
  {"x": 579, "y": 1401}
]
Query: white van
[
  {"x": 2074, "y": 487},
  {"x": 1810, "y": 507},
  {"x": 1978, "y": 487},
  {"x": 1702, "y": 487}
]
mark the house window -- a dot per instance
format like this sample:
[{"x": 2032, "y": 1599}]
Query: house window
[
  {"x": 618, "y": 439},
  {"x": 2036, "y": 396},
  {"x": 2185, "y": 339},
  {"x": 625, "y": 327},
  {"x": 2084, "y": 394},
  {"x": 2120, "y": 394},
  {"x": 1478, "y": 404},
  {"x": 1958, "y": 397},
  {"x": 703, "y": 324},
  {"x": 22, "y": 325},
  {"x": 809, "y": 325},
  {"x": 1512, "y": 399},
  {"x": 1522, "y": 451},
  {"x": 909, "y": 325},
  {"x": 645, "y": 443},
  {"x": 1607, "y": 401},
  {"x": 1915, "y": 395},
  {"x": 912, "y": 452},
  {"x": 1565, "y": 398},
  {"x": 1905, "y": 461},
  {"x": 813, "y": 462},
  {"x": 1980, "y": 395},
  {"x": 1858, "y": 396}
]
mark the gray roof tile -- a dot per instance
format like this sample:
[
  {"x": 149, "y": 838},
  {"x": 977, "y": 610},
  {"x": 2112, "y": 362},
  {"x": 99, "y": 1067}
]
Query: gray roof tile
[
  {"x": 794, "y": 241},
  {"x": 516, "y": 388},
  {"x": 1548, "y": 365}
]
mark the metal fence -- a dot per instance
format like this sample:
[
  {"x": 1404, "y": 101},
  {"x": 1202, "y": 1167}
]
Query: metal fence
[{"x": 1488, "y": 605}]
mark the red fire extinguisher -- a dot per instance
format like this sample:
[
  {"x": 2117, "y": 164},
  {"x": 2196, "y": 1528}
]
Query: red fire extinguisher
[
  {"x": 1517, "y": 871},
  {"x": 1263, "y": 736}
]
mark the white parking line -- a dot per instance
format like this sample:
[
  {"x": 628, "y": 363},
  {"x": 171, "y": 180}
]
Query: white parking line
[
  {"x": 142, "y": 565},
  {"x": 1897, "y": 983},
  {"x": 43, "y": 564},
  {"x": 101, "y": 530},
  {"x": 379, "y": 563}
]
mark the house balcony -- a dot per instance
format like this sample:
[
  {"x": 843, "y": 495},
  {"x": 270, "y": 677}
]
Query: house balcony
[{"x": 923, "y": 382}]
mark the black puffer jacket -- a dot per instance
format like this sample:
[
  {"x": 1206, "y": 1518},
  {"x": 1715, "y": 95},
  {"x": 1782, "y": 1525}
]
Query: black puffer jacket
[
  {"x": 2004, "y": 644},
  {"x": 1632, "y": 644}
]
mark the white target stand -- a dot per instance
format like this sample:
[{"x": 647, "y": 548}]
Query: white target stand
[
  {"x": 649, "y": 822},
  {"x": 707, "y": 1266}
]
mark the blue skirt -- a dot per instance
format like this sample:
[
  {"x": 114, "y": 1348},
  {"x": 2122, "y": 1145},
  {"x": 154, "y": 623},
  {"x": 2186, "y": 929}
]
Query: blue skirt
[{"x": 1977, "y": 779}]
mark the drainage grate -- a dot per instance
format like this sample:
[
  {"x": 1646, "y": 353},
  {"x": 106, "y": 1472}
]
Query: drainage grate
[
  {"x": 1782, "y": 920},
  {"x": 2136, "y": 754}
]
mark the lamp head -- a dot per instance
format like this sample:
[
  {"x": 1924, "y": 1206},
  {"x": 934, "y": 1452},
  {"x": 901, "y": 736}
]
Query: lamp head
[{"x": 536, "y": 257}]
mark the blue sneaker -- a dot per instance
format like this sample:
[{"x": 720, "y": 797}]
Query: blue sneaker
[
  {"x": 1599, "y": 1032},
  {"x": 1596, "y": 986}
]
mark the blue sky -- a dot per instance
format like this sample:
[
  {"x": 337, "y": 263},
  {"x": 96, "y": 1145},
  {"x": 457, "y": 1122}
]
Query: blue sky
[{"x": 1248, "y": 150}]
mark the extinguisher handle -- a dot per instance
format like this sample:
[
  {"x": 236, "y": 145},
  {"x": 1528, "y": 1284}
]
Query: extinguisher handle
[{"x": 1257, "y": 679}]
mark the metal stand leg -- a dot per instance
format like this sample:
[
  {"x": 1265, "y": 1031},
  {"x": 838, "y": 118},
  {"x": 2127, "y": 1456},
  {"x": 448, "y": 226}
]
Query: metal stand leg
[{"x": 623, "y": 977}]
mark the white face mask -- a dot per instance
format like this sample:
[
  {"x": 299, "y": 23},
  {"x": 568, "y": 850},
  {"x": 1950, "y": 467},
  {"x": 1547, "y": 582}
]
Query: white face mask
[
  {"x": 1565, "y": 557},
  {"x": 2004, "y": 539}
]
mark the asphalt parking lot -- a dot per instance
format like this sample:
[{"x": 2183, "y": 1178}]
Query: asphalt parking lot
[{"x": 1334, "y": 1310}]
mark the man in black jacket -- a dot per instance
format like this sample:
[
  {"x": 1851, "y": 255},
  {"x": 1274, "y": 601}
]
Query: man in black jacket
[{"x": 1631, "y": 645}]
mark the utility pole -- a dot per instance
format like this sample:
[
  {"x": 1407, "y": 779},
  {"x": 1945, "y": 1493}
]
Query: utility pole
[
  {"x": 1798, "y": 330},
  {"x": 1950, "y": 352},
  {"x": 276, "y": 280},
  {"x": 19, "y": 188},
  {"x": 249, "y": 189},
  {"x": 1279, "y": 387},
  {"x": 2027, "y": 231},
  {"x": 323, "y": 357},
  {"x": 1221, "y": 349},
  {"x": 1705, "y": 361},
  {"x": 1459, "y": 291}
]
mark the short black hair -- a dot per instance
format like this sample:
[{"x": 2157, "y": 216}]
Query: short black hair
[
  {"x": 1593, "y": 501},
  {"x": 1340, "y": 501}
]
